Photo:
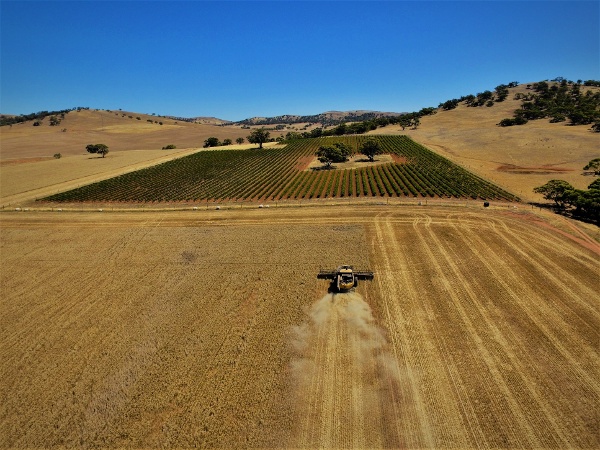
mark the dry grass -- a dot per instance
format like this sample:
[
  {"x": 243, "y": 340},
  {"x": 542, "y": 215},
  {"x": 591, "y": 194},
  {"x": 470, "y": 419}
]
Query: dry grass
[
  {"x": 110, "y": 128},
  {"x": 517, "y": 158},
  {"x": 157, "y": 330}
]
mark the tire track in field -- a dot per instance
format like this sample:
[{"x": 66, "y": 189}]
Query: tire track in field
[
  {"x": 341, "y": 375},
  {"x": 519, "y": 373},
  {"x": 569, "y": 286},
  {"x": 519, "y": 431},
  {"x": 398, "y": 292},
  {"x": 569, "y": 349}
]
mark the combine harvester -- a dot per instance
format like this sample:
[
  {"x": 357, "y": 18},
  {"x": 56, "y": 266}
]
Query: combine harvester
[{"x": 344, "y": 278}]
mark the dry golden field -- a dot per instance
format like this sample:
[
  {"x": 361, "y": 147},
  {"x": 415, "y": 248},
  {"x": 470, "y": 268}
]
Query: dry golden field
[
  {"x": 108, "y": 127},
  {"x": 209, "y": 328},
  {"x": 517, "y": 158}
]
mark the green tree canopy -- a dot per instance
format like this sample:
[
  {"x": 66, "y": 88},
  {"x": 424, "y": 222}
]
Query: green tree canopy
[
  {"x": 97, "y": 148},
  {"x": 259, "y": 136},
  {"x": 556, "y": 190},
  {"x": 239, "y": 140},
  {"x": 338, "y": 152},
  {"x": 370, "y": 148},
  {"x": 212, "y": 142},
  {"x": 594, "y": 165}
]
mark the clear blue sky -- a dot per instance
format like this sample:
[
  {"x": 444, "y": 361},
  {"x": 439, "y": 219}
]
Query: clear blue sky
[{"x": 235, "y": 60}]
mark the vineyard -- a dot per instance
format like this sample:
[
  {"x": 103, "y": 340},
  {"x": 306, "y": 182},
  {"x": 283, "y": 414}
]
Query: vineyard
[{"x": 275, "y": 174}]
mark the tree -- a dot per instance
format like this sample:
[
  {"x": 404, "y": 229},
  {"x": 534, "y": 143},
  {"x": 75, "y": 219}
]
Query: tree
[
  {"x": 259, "y": 136},
  {"x": 594, "y": 165},
  {"x": 97, "y": 148},
  {"x": 338, "y": 152},
  {"x": 227, "y": 141},
  {"x": 211, "y": 142},
  {"x": 239, "y": 140},
  {"x": 370, "y": 148},
  {"x": 557, "y": 190}
]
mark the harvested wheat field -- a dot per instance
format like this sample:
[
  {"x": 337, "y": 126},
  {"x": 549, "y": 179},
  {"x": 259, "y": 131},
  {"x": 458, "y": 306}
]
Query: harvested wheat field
[{"x": 209, "y": 328}]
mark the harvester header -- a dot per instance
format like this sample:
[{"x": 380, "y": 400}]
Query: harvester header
[{"x": 344, "y": 278}]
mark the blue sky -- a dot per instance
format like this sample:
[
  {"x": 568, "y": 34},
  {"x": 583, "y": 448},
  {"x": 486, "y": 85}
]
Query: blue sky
[{"x": 235, "y": 60}]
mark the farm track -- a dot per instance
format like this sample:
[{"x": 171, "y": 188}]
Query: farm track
[{"x": 209, "y": 328}]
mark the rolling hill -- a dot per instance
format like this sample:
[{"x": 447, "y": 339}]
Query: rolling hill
[{"x": 517, "y": 158}]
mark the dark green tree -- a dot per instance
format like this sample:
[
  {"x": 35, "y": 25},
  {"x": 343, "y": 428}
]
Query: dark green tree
[
  {"x": 259, "y": 136},
  {"x": 594, "y": 165},
  {"x": 557, "y": 190},
  {"x": 338, "y": 152},
  {"x": 97, "y": 148},
  {"x": 211, "y": 142},
  {"x": 370, "y": 148},
  {"x": 239, "y": 140}
]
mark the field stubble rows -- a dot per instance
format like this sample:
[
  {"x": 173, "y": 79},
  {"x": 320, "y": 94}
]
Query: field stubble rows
[{"x": 479, "y": 330}]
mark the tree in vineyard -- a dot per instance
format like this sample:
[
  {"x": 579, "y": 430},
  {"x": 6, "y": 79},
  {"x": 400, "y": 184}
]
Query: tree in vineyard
[
  {"x": 370, "y": 148},
  {"x": 338, "y": 152},
  {"x": 259, "y": 136}
]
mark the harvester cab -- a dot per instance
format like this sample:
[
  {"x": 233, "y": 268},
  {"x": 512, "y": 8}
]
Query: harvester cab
[{"x": 344, "y": 278}]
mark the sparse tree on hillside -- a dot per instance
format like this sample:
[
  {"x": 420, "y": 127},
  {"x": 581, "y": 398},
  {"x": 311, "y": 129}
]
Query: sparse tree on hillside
[
  {"x": 97, "y": 148},
  {"x": 239, "y": 140},
  {"x": 259, "y": 136},
  {"x": 227, "y": 141},
  {"x": 557, "y": 190},
  {"x": 370, "y": 148},
  {"x": 211, "y": 142},
  {"x": 594, "y": 165}
]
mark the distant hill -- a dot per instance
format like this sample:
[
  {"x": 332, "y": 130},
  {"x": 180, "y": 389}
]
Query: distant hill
[
  {"x": 327, "y": 118},
  {"x": 203, "y": 120}
]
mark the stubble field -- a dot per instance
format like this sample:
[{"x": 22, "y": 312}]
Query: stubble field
[{"x": 209, "y": 328}]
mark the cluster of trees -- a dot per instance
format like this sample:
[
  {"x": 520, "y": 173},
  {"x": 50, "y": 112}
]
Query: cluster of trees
[
  {"x": 559, "y": 101},
  {"x": 325, "y": 119},
  {"x": 340, "y": 152},
  {"x": 38, "y": 117},
  {"x": 258, "y": 136},
  {"x": 215, "y": 142},
  {"x": 412, "y": 120},
  {"x": 487, "y": 98},
  {"x": 97, "y": 148},
  {"x": 581, "y": 203}
]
